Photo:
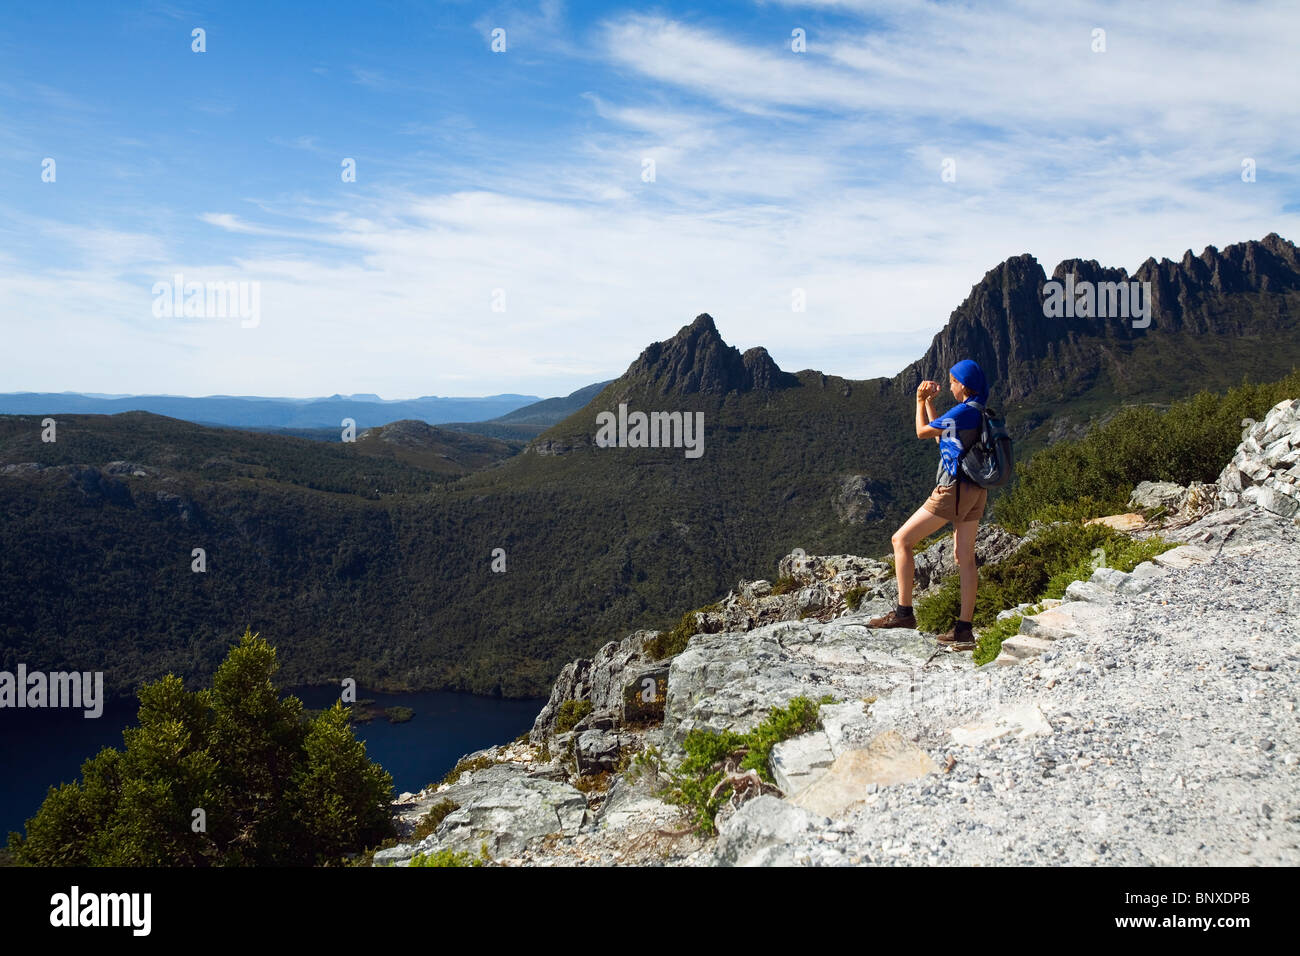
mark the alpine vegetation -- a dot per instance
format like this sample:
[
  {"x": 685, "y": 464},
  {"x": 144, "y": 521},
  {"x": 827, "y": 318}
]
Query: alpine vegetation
[
  {"x": 231, "y": 775},
  {"x": 1098, "y": 300},
  {"x": 653, "y": 430},
  {"x": 55, "y": 689}
]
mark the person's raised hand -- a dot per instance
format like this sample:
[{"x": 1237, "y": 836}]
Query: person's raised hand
[{"x": 927, "y": 389}]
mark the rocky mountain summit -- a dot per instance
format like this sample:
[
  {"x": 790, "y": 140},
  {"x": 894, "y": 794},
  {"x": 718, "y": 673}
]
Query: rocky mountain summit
[
  {"x": 1002, "y": 325},
  {"x": 698, "y": 360},
  {"x": 1148, "y": 718}
]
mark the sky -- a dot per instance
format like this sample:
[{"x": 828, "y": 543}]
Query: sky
[{"x": 528, "y": 218}]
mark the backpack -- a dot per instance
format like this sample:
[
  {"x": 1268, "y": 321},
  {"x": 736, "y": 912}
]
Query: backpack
[{"x": 989, "y": 462}]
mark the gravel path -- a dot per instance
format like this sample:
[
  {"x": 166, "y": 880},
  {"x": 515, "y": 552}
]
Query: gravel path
[{"x": 1173, "y": 737}]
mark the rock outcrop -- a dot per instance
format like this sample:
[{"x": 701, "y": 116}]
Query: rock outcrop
[
  {"x": 613, "y": 683},
  {"x": 499, "y": 807},
  {"x": 992, "y": 544},
  {"x": 1266, "y": 468},
  {"x": 697, "y": 360},
  {"x": 1002, "y": 325},
  {"x": 733, "y": 680},
  {"x": 624, "y": 685}
]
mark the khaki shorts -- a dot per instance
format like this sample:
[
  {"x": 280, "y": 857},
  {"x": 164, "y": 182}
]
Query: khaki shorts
[{"x": 943, "y": 502}]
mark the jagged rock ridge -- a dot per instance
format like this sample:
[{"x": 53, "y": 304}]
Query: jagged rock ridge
[
  {"x": 697, "y": 360},
  {"x": 1002, "y": 326}
]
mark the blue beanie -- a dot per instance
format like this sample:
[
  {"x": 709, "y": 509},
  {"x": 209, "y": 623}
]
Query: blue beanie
[{"x": 970, "y": 375}]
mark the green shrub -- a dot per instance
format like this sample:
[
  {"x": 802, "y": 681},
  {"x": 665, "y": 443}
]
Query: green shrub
[
  {"x": 467, "y": 765},
  {"x": 429, "y": 822},
  {"x": 1095, "y": 475},
  {"x": 853, "y": 597},
  {"x": 701, "y": 770},
  {"x": 399, "y": 714},
  {"x": 445, "y": 857},
  {"x": 1041, "y": 568},
  {"x": 672, "y": 642},
  {"x": 274, "y": 789},
  {"x": 784, "y": 585},
  {"x": 571, "y": 711},
  {"x": 988, "y": 644},
  {"x": 1125, "y": 555}
]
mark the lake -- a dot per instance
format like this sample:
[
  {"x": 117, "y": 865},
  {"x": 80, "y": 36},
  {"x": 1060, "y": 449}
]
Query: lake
[{"x": 40, "y": 748}]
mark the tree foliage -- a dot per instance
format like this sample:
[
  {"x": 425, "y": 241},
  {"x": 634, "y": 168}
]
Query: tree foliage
[{"x": 234, "y": 775}]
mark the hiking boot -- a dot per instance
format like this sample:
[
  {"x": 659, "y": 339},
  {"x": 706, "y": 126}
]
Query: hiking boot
[
  {"x": 895, "y": 618},
  {"x": 960, "y": 638}
]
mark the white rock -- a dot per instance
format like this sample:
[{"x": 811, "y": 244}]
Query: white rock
[
  {"x": 1021, "y": 719},
  {"x": 1108, "y": 578},
  {"x": 799, "y": 761},
  {"x": 1086, "y": 591},
  {"x": 1184, "y": 556}
]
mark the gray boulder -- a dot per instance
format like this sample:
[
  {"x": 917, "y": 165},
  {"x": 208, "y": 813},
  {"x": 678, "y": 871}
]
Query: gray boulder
[
  {"x": 1157, "y": 494},
  {"x": 597, "y": 751},
  {"x": 733, "y": 680},
  {"x": 763, "y": 831},
  {"x": 631, "y": 798},
  {"x": 572, "y": 684},
  {"x": 1265, "y": 471},
  {"x": 600, "y": 680},
  {"x": 502, "y": 807}
]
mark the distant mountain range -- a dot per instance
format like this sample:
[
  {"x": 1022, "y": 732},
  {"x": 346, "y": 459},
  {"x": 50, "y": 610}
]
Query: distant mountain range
[
  {"x": 526, "y": 423},
  {"x": 374, "y": 560},
  {"x": 243, "y": 411}
]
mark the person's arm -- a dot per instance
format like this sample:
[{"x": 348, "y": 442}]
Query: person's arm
[{"x": 925, "y": 412}]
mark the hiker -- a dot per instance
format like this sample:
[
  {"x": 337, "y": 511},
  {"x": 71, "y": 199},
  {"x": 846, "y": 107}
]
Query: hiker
[{"x": 954, "y": 499}]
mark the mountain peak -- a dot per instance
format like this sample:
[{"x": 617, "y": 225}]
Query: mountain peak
[
  {"x": 1004, "y": 327},
  {"x": 697, "y": 360}
]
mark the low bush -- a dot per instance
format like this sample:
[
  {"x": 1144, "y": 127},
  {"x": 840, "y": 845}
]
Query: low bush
[
  {"x": 445, "y": 858},
  {"x": 1041, "y": 568},
  {"x": 571, "y": 711},
  {"x": 784, "y": 585},
  {"x": 989, "y": 641},
  {"x": 465, "y": 765},
  {"x": 429, "y": 822},
  {"x": 1094, "y": 475},
  {"x": 693, "y": 781},
  {"x": 672, "y": 642},
  {"x": 853, "y": 597},
  {"x": 594, "y": 782}
]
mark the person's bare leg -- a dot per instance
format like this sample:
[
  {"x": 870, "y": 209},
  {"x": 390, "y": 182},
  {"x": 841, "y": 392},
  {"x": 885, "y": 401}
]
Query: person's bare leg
[
  {"x": 921, "y": 524},
  {"x": 964, "y": 547}
]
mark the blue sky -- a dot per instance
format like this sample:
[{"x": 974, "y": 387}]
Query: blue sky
[{"x": 522, "y": 171}]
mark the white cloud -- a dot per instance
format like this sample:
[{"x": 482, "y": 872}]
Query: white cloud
[{"x": 774, "y": 172}]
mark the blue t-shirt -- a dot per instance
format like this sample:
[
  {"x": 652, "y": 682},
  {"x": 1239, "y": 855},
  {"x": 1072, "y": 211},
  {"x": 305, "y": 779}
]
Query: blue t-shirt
[{"x": 961, "y": 428}]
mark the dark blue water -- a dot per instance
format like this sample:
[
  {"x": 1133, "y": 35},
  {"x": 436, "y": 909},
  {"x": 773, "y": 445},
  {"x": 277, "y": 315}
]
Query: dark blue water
[{"x": 40, "y": 748}]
